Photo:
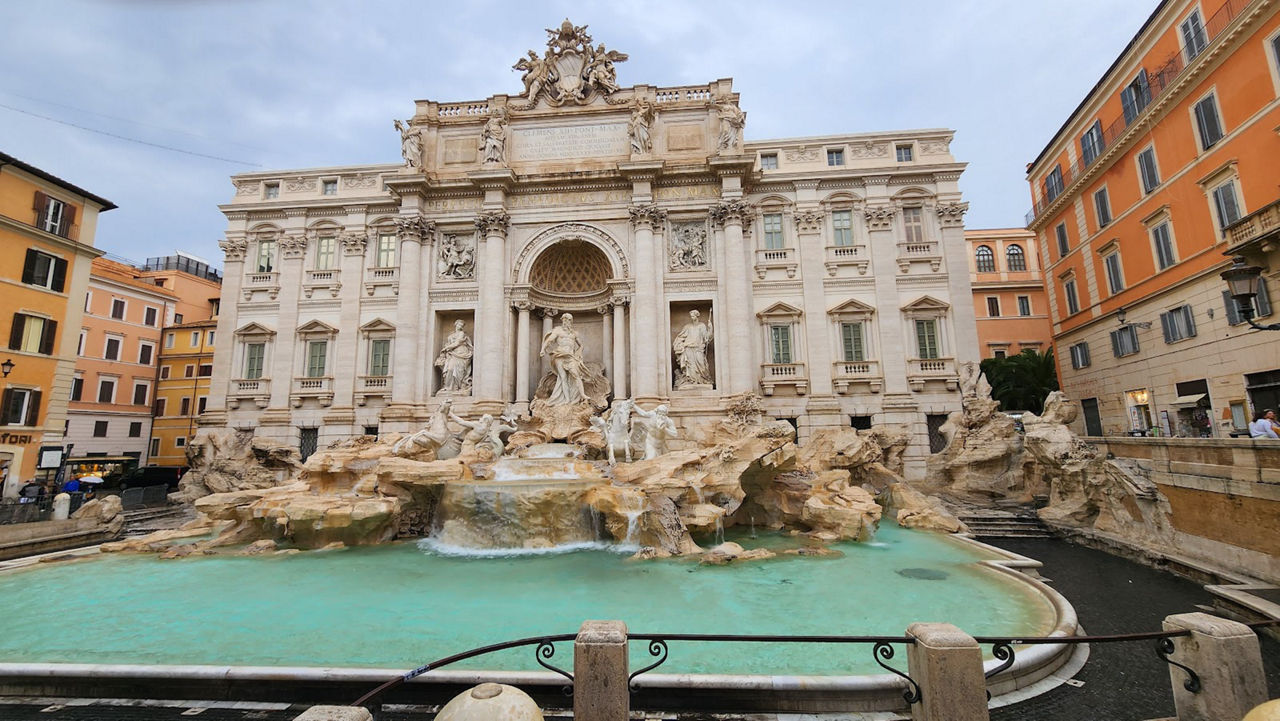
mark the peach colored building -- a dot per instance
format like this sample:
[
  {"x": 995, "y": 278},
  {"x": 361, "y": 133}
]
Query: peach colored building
[
  {"x": 1133, "y": 199},
  {"x": 114, "y": 386},
  {"x": 46, "y": 245},
  {"x": 1009, "y": 301}
]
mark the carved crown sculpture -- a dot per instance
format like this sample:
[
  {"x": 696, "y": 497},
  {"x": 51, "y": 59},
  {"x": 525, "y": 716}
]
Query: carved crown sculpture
[{"x": 571, "y": 70}]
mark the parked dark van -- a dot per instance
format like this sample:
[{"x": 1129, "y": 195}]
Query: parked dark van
[{"x": 152, "y": 476}]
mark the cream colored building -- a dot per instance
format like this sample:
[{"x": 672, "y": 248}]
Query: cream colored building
[{"x": 833, "y": 269}]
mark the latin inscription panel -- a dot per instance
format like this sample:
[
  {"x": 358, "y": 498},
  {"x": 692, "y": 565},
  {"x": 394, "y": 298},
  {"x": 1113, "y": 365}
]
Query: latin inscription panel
[{"x": 604, "y": 140}]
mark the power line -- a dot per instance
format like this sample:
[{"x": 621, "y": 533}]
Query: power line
[{"x": 128, "y": 139}]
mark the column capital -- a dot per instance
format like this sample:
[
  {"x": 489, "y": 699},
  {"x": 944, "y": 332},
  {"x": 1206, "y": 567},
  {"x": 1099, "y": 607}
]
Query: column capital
[
  {"x": 879, "y": 217},
  {"x": 234, "y": 249},
  {"x": 951, "y": 215},
  {"x": 353, "y": 243},
  {"x": 524, "y": 306},
  {"x": 414, "y": 228},
  {"x": 732, "y": 212},
  {"x": 647, "y": 216},
  {"x": 293, "y": 246},
  {"x": 809, "y": 221},
  {"x": 493, "y": 223}
]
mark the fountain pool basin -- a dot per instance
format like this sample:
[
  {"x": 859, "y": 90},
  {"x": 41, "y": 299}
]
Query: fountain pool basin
[{"x": 401, "y": 605}]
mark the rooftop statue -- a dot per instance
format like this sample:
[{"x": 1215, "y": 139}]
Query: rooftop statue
[{"x": 571, "y": 70}]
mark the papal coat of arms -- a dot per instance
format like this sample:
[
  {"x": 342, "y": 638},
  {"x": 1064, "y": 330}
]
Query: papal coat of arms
[{"x": 572, "y": 70}]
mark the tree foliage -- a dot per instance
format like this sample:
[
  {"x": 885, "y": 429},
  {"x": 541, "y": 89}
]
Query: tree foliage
[{"x": 1021, "y": 382}]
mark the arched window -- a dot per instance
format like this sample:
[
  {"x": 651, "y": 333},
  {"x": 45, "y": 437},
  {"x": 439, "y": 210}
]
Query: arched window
[
  {"x": 1015, "y": 258},
  {"x": 986, "y": 260}
]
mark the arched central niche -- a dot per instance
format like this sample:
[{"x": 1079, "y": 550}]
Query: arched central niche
[{"x": 571, "y": 268}]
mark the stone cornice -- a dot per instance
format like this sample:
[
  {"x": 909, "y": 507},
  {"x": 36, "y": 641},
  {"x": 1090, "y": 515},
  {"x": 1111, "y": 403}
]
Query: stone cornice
[{"x": 496, "y": 179}]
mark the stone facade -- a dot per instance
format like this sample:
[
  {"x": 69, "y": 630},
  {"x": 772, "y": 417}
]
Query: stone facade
[{"x": 830, "y": 270}]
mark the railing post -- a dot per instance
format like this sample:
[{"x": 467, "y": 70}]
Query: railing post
[
  {"x": 947, "y": 664},
  {"x": 600, "y": 670},
  {"x": 1228, "y": 660}
]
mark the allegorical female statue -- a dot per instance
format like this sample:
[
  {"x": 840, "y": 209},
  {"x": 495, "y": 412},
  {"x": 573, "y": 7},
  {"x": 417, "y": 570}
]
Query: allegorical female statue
[
  {"x": 493, "y": 140},
  {"x": 690, "y": 348},
  {"x": 454, "y": 361},
  {"x": 565, "y": 349},
  {"x": 410, "y": 144}
]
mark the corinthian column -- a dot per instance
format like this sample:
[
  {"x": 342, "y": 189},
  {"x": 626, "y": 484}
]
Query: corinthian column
[
  {"x": 487, "y": 370},
  {"x": 411, "y": 232},
  {"x": 645, "y": 344},
  {"x": 224, "y": 372},
  {"x": 522, "y": 351},
  {"x": 739, "y": 326}
]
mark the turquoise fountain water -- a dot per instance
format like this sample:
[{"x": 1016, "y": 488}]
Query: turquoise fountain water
[{"x": 398, "y": 606}]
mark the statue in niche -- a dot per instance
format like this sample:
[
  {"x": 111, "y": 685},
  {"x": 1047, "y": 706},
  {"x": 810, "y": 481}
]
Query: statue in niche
[
  {"x": 454, "y": 361},
  {"x": 484, "y": 434},
  {"x": 656, "y": 427},
  {"x": 493, "y": 140},
  {"x": 688, "y": 246},
  {"x": 732, "y": 120},
  {"x": 638, "y": 127},
  {"x": 690, "y": 348},
  {"x": 410, "y": 144},
  {"x": 457, "y": 258},
  {"x": 565, "y": 350}
]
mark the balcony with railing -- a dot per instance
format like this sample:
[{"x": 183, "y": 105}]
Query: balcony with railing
[
  {"x": 839, "y": 256},
  {"x": 257, "y": 390},
  {"x": 921, "y": 371},
  {"x": 773, "y": 375},
  {"x": 848, "y": 376},
  {"x": 770, "y": 258},
  {"x": 372, "y": 387},
  {"x": 329, "y": 280},
  {"x": 318, "y": 387},
  {"x": 924, "y": 251},
  {"x": 1255, "y": 233},
  {"x": 268, "y": 283},
  {"x": 387, "y": 279},
  {"x": 1158, "y": 84}
]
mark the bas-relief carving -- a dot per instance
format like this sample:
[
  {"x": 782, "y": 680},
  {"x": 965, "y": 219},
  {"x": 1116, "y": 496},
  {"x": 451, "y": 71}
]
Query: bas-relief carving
[
  {"x": 935, "y": 147},
  {"x": 248, "y": 188},
  {"x": 868, "y": 149},
  {"x": 454, "y": 362},
  {"x": 801, "y": 154},
  {"x": 688, "y": 246},
  {"x": 571, "y": 70},
  {"x": 690, "y": 349},
  {"x": 457, "y": 257},
  {"x": 298, "y": 185},
  {"x": 362, "y": 182},
  {"x": 410, "y": 144}
]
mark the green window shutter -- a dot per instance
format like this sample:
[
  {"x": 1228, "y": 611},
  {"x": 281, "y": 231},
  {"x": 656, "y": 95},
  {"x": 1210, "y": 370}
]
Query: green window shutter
[
  {"x": 851, "y": 337},
  {"x": 316, "y": 351},
  {"x": 927, "y": 338},
  {"x": 379, "y": 357},
  {"x": 781, "y": 343}
]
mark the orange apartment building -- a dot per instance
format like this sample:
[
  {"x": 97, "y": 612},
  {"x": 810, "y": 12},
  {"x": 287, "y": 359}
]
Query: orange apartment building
[
  {"x": 1133, "y": 198},
  {"x": 1009, "y": 300},
  {"x": 46, "y": 246},
  {"x": 109, "y": 413}
]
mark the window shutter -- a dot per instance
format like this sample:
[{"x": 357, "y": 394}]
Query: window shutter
[
  {"x": 59, "y": 274},
  {"x": 1084, "y": 348},
  {"x": 29, "y": 267},
  {"x": 1165, "y": 322},
  {"x": 15, "y": 333},
  {"x": 6, "y": 403},
  {"x": 46, "y": 337},
  {"x": 1191, "y": 321},
  {"x": 68, "y": 220},
  {"x": 33, "y": 408},
  {"x": 1233, "y": 311},
  {"x": 1115, "y": 342},
  {"x": 39, "y": 204},
  {"x": 1262, "y": 301}
]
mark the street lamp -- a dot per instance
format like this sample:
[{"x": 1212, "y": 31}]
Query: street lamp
[
  {"x": 1121, "y": 315},
  {"x": 1242, "y": 282},
  {"x": 6, "y": 367}
]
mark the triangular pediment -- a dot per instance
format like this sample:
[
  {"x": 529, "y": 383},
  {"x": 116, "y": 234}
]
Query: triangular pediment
[
  {"x": 377, "y": 324},
  {"x": 254, "y": 328},
  {"x": 780, "y": 310},
  {"x": 852, "y": 306},
  {"x": 317, "y": 327},
  {"x": 926, "y": 302}
]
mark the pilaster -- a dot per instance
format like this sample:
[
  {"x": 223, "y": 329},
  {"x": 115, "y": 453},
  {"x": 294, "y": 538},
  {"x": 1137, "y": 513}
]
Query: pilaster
[
  {"x": 490, "y": 332},
  {"x": 732, "y": 215},
  {"x": 645, "y": 366}
]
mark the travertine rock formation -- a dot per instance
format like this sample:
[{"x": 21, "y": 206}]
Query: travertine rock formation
[
  {"x": 223, "y": 460},
  {"x": 106, "y": 511},
  {"x": 913, "y": 509}
]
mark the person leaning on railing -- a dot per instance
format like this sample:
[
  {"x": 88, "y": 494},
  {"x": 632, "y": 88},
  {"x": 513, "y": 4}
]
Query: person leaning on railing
[{"x": 1264, "y": 425}]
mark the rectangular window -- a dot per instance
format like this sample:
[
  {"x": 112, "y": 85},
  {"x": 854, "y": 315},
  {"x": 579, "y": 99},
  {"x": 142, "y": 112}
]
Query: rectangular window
[
  {"x": 1080, "y": 356},
  {"x": 1102, "y": 204},
  {"x": 20, "y": 407},
  {"x": 201, "y": 403},
  {"x": 1115, "y": 274},
  {"x": 835, "y": 157},
  {"x": 208, "y": 337},
  {"x": 253, "y": 355},
  {"x": 32, "y": 334},
  {"x": 161, "y": 406},
  {"x": 329, "y": 187},
  {"x": 993, "y": 307},
  {"x": 769, "y": 161},
  {"x": 379, "y": 357},
  {"x": 999, "y": 353},
  {"x": 195, "y": 339},
  {"x": 1163, "y": 242},
  {"x": 100, "y": 429},
  {"x": 1208, "y": 126},
  {"x": 106, "y": 390},
  {"x": 842, "y": 227},
  {"x": 177, "y": 319},
  {"x": 1135, "y": 97},
  {"x": 851, "y": 342},
  {"x": 386, "y": 250},
  {"x": 1073, "y": 301},
  {"x": 1194, "y": 38},
  {"x": 773, "y": 231},
  {"x": 51, "y": 218},
  {"x": 80, "y": 346},
  {"x": 205, "y": 370},
  {"x": 1224, "y": 203},
  {"x": 117, "y": 309},
  {"x": 1147, "y": 169},
  {"x": 324, "y": 252},
  {"x": 317, "y": 350},
  {"x": 135, "y": 429},
  {"x": 1178, "y": 324},
  {"x": 913, "y": 224},
  {"x": 168, "y": 340},
  {"x": 1124, "y": 341},
  {"x": 77, "y": 388},
  {"x": 150, "y": 316},
  {"x": 927, "y": 339},
  {"x": 45, "y": 271},
  {"x": 112, "y": 350},
  {"x": 1024, "y": 305},
  {"x": 1091, "y": 143},
  {"x": 184, "y": 407},
  {"x": 1064, "y": 246},
  {"x": 146, "y": 352},
  {"x": 266, "y": 256},
  {"x": 904, "y": 153},
  {"x": 154, "y": 448},
  {"x": 164, "y": 373},
  {"x": 780, "y": 337},
  {"x": 1053, "y": 184},
  {"x": 271, "y": 191},
  {"x": 180, "y": 442},
  {"x": 189, "y": 371}
]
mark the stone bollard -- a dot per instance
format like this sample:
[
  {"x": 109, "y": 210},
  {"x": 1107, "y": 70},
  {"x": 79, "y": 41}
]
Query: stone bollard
[
  {"x": 489, "y": 702},
  {"x": 61, "y": 507},
  {"x": 335, "y": 713},
  {"x": 947, "y": 663},
  {"x": 600, "y": 670},
  {"x": 1227, "y": 657}
]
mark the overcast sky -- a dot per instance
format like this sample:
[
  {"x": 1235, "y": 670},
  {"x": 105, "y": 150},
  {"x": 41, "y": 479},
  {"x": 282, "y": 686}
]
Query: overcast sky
[{"x": 276, "y": 85}]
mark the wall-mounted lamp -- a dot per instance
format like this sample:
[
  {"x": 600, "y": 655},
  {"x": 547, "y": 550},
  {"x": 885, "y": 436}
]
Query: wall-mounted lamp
[
  {"x": 1120, "y": 316},
  {"x": 6, "y": 368},
  {"x": 1242, "y": 284}
]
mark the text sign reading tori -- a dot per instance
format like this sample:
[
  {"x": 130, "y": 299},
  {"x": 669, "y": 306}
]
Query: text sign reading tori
[{"x": 577, "y": 141}]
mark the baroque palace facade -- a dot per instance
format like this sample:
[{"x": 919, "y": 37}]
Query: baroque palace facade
[{"x": 829, "y": 274}]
